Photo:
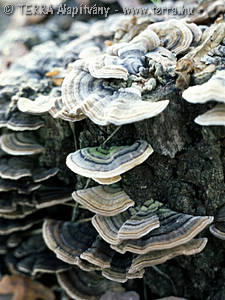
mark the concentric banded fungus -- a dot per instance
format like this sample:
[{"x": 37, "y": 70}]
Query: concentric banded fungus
[
  {"x": 32, "y": 257},
  {"x": 175, "y": 229},
  {"x": 99, "y": 254},
  {"x": 9, "y": 226},
  {"x": 215, "y": 116},
  {"x": 104, "y": 200},
  {"x": 174, "y": 34},
  {"x": 15, "y": 168},
  {"x": 50, "y": 196},
  {"x": 214, "y": 90},
  {"x": 20, "y": 122},
  {"x": 58, "y": 111},
  {"x": 84, "y": 95},
  {"x": 106, "y": 66},
  {"x": 131, "y": 224},
  {"x": 86, "y": 266},
  {"x": 82, "y": 285},
  {"x": 19, "y": 144},
  {"x": 107, "y": 163},
  {"x": 153, "y": 258},
  {"x": 44, "y": 262},
  {"x": 119, "y": 267},
  {"x": 68, "y": 240},
  {"x": 218, "y": 228}
]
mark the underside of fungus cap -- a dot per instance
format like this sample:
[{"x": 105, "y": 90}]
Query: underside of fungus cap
[
  {"x": 20, "y": 144},
  {"x": 67, "y": 239},
  {"x": 157, "y": 257},
  {"x": 215, "y": 116},
  {"x": 108, "y": 181},
  {"x": 82, "y": 285},
  {"x": 104, "y": 200},
  {"x": 175, "y": 229},
  {"x": 106, "y": 163},
  {"x": 212, "y": 90}
]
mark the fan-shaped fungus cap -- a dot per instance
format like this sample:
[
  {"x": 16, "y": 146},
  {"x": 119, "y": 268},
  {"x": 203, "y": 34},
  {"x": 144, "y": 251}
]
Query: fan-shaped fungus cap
[
  {"x": 20, "y": 122},
  {"x": 8, "y": 226},
  {"x": 42, "y": 174},
  {"x": 20, "y": 144},
  {"x": 214, "y": 116},
  {"x": 106, "y": 163},
  {"x": 85, "y": 95},
  {"x": 68, "y": 240},
  {"x": 40, "y": 105},
  {"x": 86, "y": 266},
  {"x": 175, "y": 229},
  {"x": 100, "y": 254},
  {"x": 107, "y": 66},
  {"x": 82, "y": 285},
  {"x": 104, "y": 200},
  {"x": 119, "y": 267},
  {"x": 59, "y": 111},
  {"x": 174, "y": 34},
  {"x": 153, "y": 258},
  {"x": 43, "y": 262},
  {"x": 127, "y": 225},
  {"x": 50, "y": 196},
  {"x": 15, "y": 168},
  {"x": 212, "y": 90}
]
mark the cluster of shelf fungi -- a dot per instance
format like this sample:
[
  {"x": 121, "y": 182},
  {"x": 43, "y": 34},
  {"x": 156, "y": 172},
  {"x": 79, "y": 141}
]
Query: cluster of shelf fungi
[{"x": 106, "y": 75}]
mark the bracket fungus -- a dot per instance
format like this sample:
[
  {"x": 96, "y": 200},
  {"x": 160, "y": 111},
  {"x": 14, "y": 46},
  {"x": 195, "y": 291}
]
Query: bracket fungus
[
  {"x": 153, "y": 258},
  {"x": 104, "y": 200},
  {"x": 131, "y": 224},
  {"x": 175, "y": 229},
  {"x": 176, "y": 35},
  {"x": 218, "y": 227},
  {"x": 97, "y": 162},
  {"x": 213, "y": 91},
  {"x": 20, "y": 144},
  {"x": 67, "y": 239},
  {"x": 82, "y": 285},
  {"x": 83, "y": 94},
  {"x": 19, "y": 122},
  {"x": 111, "y": 72}
]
